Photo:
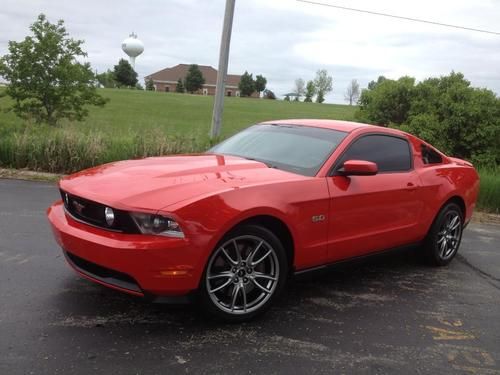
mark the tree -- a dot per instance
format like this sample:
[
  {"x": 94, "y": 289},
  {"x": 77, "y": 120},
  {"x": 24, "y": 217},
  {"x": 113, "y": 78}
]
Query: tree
[
  {"x": 310, "y": 91},
  {"x": 150, "y": 86},
  {"x": 299, "y": 89},
  {"x": 352, "y": 92},
  {"x": 246, "y": 85},
  {"x": 268, "y": 94},
  {"x": 461, "y": 120},
  {"x": 323, "y": 83},
  {"x": 179, "y": 87},
  {"x": 372, "y": 84},
  {"x": 287, "y": 98},
  {"x": 260, "y": 83},
  {"x": 125, "y": 75},
  {"x": 447, "y": 112},
  {"x": 194, "y": 79},
  {"x": 46, "y": 82},
  {"x": 388, "y": 102},
  {"x": 106, "y": 79}
]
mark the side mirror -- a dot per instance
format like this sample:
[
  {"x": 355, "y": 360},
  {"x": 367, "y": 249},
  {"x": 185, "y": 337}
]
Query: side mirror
[{"x": 358, "y": 168}]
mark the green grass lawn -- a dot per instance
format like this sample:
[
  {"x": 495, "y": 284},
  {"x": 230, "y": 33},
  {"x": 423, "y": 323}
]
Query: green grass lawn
[
  {"x": 129, "y": 110},
  {"x": 184, "y": 114}
]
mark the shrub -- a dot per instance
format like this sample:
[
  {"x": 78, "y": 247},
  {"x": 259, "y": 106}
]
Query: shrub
[{"x": 447, "y": 112}]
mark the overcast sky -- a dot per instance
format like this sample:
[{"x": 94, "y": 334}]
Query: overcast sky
[{"x": 281, "y": 39}]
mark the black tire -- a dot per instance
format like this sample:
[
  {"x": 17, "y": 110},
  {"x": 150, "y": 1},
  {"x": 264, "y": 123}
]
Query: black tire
[
  {"x": 444, "y": 237},
  {"x": 244, "y": 297}
]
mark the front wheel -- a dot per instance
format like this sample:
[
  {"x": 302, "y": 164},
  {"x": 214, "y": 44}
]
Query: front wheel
[
  {"x": 244, "y": 274},
  {"x": 445, "y": 235}
]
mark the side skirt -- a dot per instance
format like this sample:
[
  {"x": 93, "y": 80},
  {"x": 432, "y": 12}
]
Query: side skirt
[{"x": 354, "y": 260}]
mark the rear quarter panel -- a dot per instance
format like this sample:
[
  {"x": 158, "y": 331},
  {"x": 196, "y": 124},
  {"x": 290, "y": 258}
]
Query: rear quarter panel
[{"x": 442, "y": 182}]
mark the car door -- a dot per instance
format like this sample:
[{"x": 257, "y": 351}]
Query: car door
[{"x": 372, "y": 213}]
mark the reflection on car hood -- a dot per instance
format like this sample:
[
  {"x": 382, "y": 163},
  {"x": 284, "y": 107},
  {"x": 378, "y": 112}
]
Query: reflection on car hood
[{"x": 154, "y": 183}]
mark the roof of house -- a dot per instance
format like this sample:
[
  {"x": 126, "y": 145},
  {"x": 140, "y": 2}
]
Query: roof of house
[{"x": 180, "y": 71}]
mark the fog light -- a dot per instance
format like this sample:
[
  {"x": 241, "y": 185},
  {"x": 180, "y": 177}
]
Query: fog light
[{"x": 109, "y": 215}]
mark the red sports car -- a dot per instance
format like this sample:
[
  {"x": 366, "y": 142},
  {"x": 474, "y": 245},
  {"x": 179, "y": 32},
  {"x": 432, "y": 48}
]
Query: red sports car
[{"x": 278, "y": 198}]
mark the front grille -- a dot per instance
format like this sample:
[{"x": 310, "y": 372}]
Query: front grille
[
  {"x": 104, "y": 274},
  {"x": 92, "y": 213}
]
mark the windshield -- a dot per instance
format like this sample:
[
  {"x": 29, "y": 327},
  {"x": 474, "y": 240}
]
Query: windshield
[{"x": 293, "y": 148}]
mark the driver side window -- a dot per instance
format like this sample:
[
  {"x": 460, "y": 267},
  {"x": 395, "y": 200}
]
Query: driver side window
[{"x": 392, "y": 154}]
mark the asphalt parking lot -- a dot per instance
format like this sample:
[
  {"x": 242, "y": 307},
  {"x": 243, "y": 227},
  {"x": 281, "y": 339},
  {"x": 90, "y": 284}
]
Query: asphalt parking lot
[{"x": 387, "y": 315}]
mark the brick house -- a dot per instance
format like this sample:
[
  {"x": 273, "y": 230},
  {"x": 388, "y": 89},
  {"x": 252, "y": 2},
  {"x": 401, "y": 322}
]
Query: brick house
[{"x": 166, "y": 80}]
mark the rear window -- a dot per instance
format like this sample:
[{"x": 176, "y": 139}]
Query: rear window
[{"x": 430, "y": 156}]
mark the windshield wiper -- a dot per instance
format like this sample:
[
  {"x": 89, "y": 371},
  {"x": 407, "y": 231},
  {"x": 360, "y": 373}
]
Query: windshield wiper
[{"x": 269, "y": 165}]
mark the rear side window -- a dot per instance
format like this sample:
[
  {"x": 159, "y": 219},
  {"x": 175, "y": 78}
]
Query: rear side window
[
  {"x": 430, "y": 156},
  {"x": 392, "y": 154}
]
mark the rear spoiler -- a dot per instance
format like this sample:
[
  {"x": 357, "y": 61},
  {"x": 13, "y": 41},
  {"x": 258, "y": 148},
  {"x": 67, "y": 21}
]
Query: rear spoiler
[{"x": 461, "y": 162}]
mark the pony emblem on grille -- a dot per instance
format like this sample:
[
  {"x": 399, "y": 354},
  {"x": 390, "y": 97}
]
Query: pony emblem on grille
[{"x": 78, "y": 206}]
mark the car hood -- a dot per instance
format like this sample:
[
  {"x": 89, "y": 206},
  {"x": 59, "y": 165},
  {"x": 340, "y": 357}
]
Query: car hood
[{"x": 154, "y": 183}]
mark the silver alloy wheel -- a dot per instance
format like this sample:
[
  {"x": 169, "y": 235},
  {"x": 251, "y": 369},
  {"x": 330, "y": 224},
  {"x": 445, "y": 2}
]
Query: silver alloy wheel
[
  {"x": 242, "y": 274},
  {"x": 448, "y": 237}
]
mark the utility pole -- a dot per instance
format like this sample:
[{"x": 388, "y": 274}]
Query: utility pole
[{"x": 222, "y": 73}]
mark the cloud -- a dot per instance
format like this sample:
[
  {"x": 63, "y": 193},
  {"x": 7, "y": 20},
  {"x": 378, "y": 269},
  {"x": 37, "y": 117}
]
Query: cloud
[{"x": 281, "y": 39}]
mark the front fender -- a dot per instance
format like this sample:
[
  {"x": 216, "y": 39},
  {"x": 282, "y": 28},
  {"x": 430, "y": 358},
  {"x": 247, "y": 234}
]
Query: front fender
[{"x": 294, "y": 203}]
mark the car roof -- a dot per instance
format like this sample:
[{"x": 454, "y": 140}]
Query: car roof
[{"x": 345, "y": 126}]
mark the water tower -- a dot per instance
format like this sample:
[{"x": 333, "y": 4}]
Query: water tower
[{"x": 133, "y": 47}]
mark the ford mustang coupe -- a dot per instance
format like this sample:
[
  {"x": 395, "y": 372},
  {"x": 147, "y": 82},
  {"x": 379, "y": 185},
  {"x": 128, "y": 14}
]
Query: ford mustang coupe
[{"x": 279, "y": 198}]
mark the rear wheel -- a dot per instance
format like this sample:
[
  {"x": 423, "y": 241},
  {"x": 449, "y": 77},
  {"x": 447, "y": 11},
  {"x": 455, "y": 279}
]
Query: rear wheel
[
  {"x": 445, "y": 235},
  {"x": 245, "y": 274}
]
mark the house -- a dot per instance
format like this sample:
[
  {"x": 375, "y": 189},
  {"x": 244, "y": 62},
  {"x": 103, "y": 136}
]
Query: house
[{"x": 166, "y": 80}]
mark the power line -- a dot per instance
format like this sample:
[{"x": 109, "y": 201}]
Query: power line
[{"x": 399, "y": 17}]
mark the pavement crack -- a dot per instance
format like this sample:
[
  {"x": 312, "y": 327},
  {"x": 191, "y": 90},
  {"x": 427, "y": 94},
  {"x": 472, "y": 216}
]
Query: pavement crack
[{"x": 485, "y": 275}]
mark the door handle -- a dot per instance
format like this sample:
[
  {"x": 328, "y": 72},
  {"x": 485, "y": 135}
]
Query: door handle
[{"x": 410, "y": 186}]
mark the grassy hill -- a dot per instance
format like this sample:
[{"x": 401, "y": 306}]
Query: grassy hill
[
  {"x": 139, "y": 123},
  {"x": 184, "y": 114},
  {"x": 192, "y": 114}
]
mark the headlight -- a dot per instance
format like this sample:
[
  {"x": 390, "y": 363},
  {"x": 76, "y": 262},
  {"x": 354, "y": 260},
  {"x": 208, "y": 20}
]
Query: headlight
[{"x": 157, "y": 224}]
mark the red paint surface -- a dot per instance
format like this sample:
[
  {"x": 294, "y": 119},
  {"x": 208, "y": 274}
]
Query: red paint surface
[{"x": 209, "y": 194}]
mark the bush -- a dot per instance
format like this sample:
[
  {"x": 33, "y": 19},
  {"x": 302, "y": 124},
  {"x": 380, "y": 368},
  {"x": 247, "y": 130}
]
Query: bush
[
  {"x": 447, "y": 112},
  {"x": 268, "y": 94},
  {"x": 388, "y": 102}
]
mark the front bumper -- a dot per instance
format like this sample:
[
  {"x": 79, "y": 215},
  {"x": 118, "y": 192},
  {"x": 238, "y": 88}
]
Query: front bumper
[{"x": 137, "y": 264}]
